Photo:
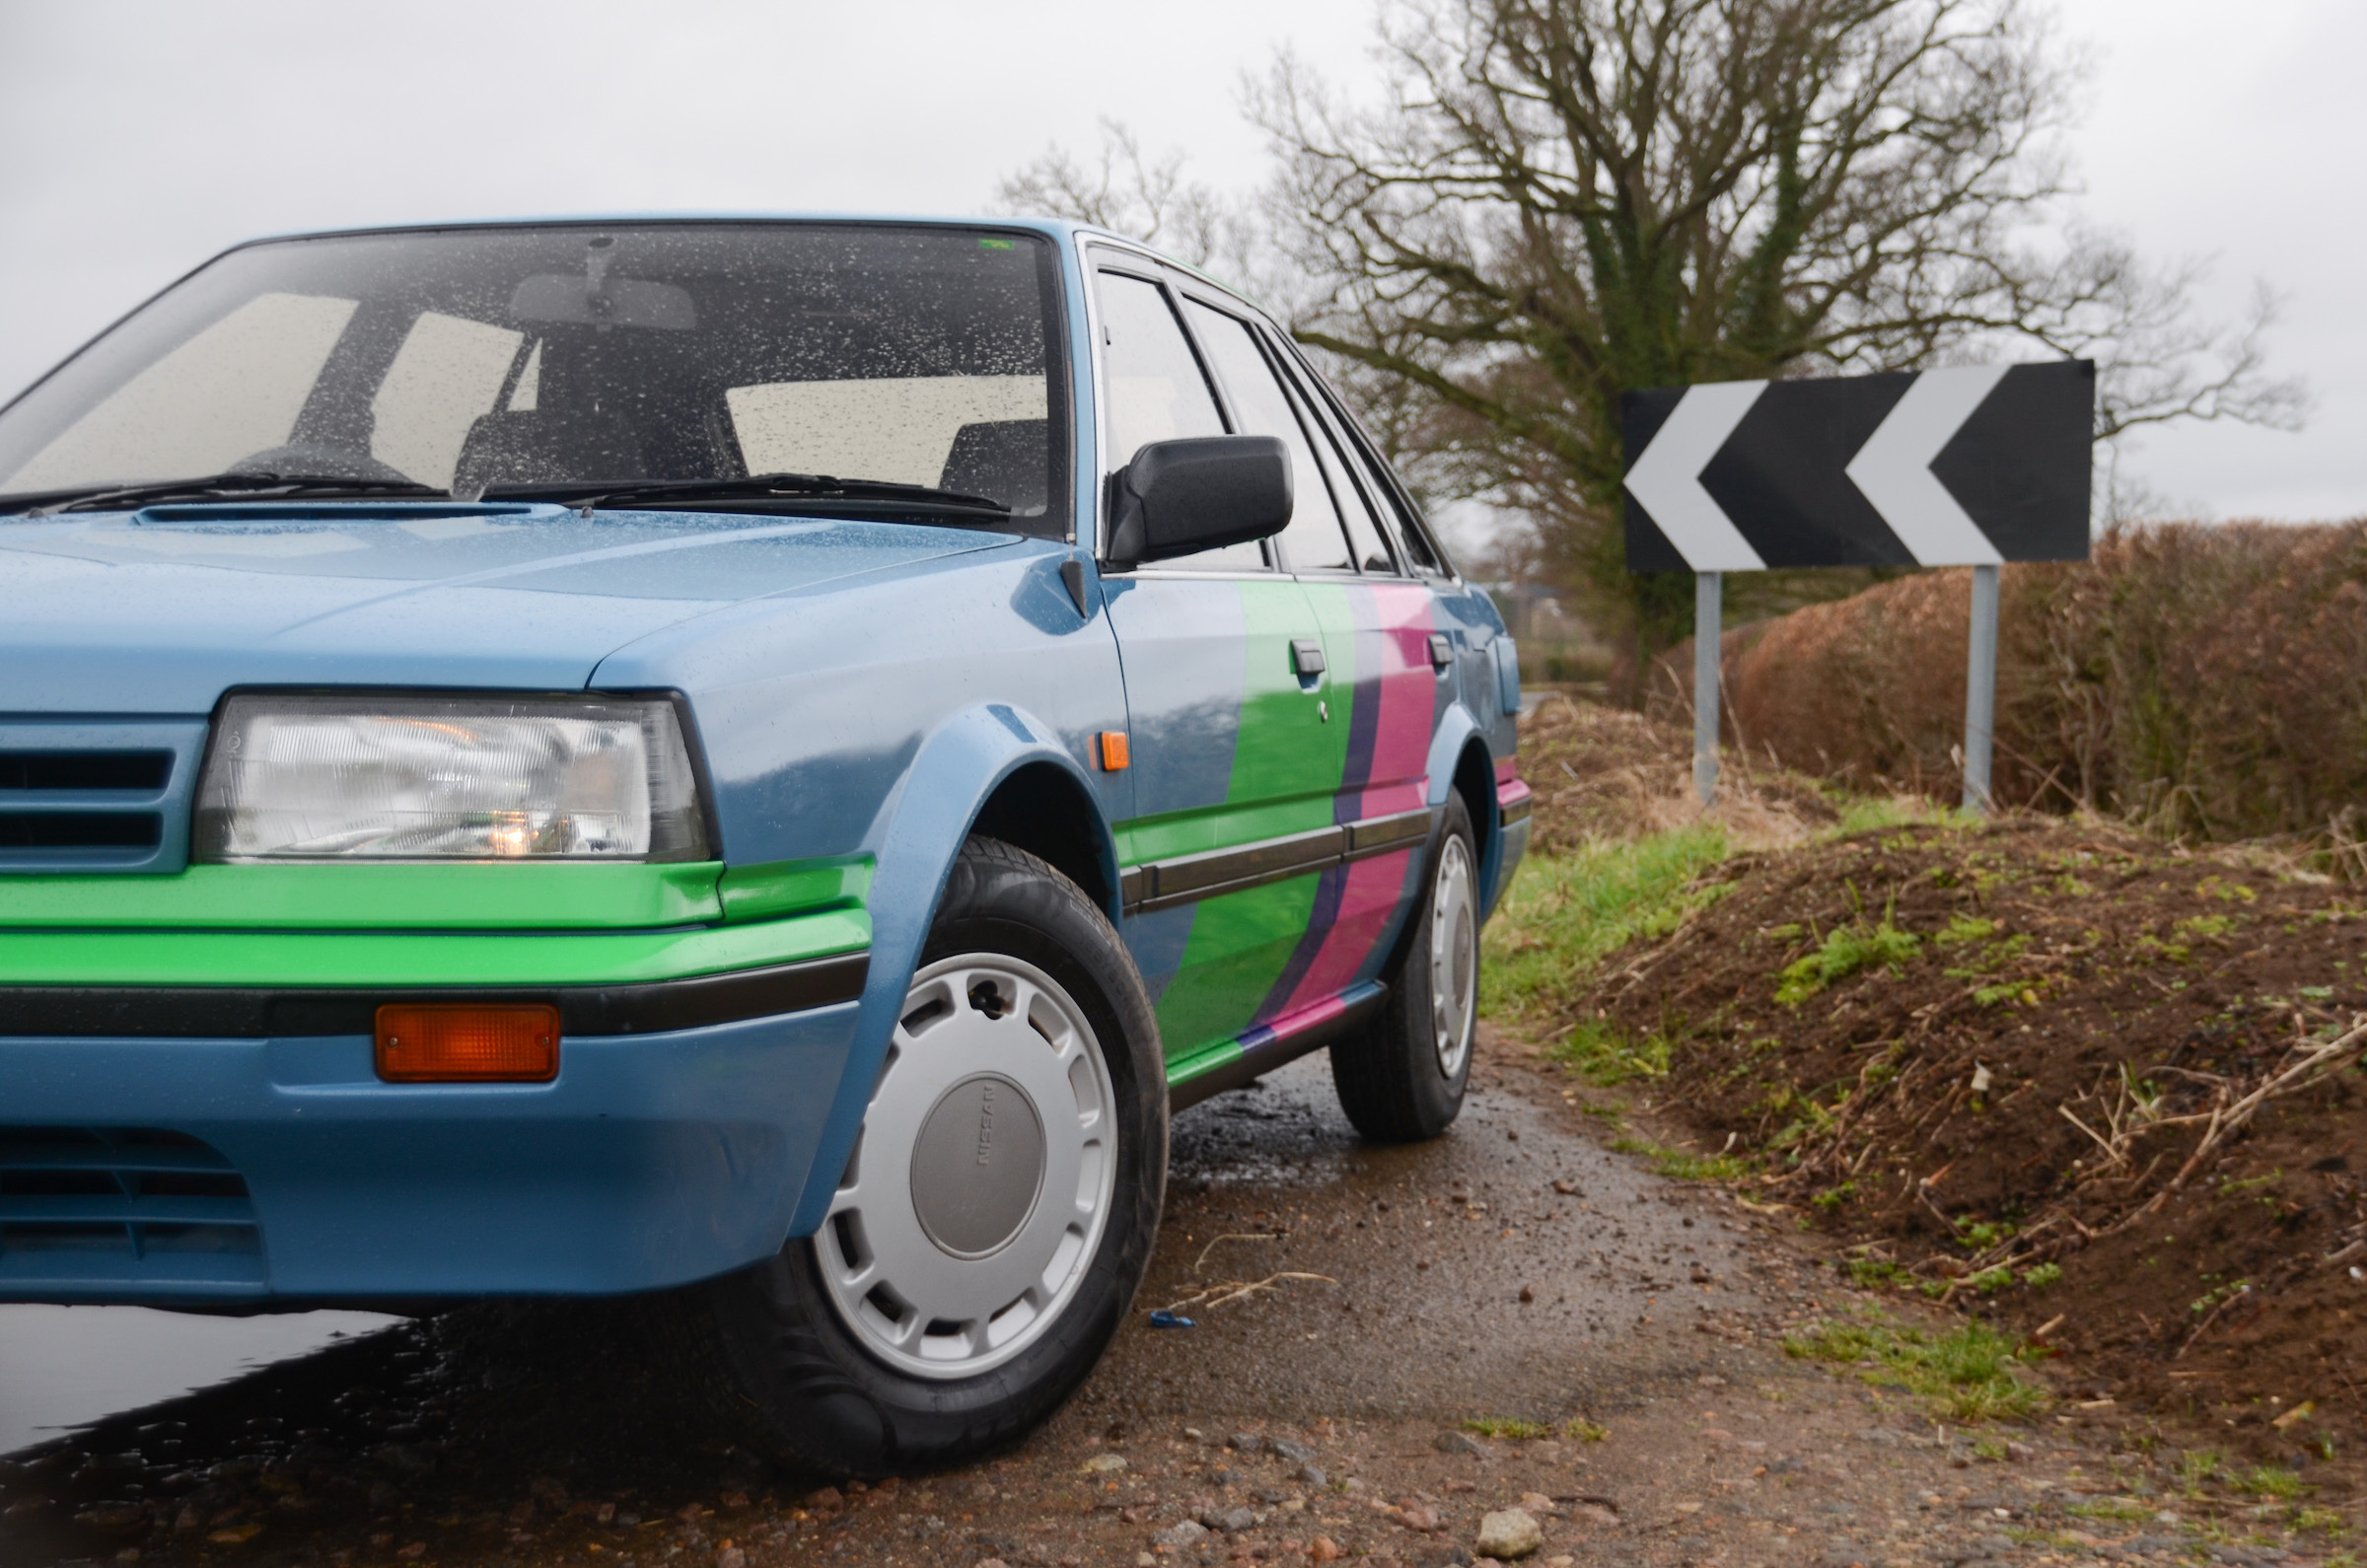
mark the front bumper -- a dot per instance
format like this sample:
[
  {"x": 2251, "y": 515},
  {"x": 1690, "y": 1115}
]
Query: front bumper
[
  {"x": 190, "y": 1110},
  {"x": 251, "y": 1169}
]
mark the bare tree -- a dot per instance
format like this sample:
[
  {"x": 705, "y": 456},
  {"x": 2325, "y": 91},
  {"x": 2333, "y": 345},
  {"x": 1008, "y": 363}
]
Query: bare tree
[
  {"x": 1144, "y": 199},
  {"x": 1559, "y": 200}
]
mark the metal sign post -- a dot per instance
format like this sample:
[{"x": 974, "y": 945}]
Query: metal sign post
[
  {"x": 1709, "y": 629},
  {"x": 1944, "y": 467},
  {"x": 1981, "y": 689}
]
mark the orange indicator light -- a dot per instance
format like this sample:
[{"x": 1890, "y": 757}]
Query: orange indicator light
[
  {"x": 448, "y": 1042},
  {"x": 1113, "y": 749}
]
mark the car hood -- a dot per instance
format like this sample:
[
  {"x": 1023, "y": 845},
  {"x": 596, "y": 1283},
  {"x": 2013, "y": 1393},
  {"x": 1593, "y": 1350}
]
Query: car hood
[{"x": 161, "y": 610}]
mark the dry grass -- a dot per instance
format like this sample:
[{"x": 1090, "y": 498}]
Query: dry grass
[
  {"x": 2201, "y": 683},
  {"x": 1606, "y": 775}
]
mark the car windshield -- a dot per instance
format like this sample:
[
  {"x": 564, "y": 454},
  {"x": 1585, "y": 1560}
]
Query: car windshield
[{"x": 501, "y": 359}]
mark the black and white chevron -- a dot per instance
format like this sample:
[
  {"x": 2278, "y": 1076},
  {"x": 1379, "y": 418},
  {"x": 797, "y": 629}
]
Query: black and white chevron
[{"x": 1939, "y": 468}]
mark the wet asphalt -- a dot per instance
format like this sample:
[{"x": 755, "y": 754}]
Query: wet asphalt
[{"x": 1354, "y": 1307}]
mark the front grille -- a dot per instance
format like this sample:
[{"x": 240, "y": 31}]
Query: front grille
[
  {"x": 122, "y": 1207},
  {"x": 88, "y": 795},
  {"x": 85, "y": 771},
  {"x": 80, "y": 829}
]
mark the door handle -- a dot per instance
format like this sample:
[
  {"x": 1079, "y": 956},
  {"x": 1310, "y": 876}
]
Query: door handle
[
  {"x": 1442, "y": 652},
  {"x": 1306, "y": 657}
]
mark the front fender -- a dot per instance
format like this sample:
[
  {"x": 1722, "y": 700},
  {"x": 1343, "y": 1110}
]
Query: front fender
[{"x": 919, "y": 830}]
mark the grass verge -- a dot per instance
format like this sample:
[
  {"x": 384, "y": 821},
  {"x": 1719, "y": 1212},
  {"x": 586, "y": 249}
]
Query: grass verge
[{"x": 1560, "y": 917}]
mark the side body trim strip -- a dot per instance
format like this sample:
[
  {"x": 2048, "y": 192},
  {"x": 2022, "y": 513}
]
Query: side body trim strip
[
  {"x": 1186, "y": 878},
  {"x": 260, "y": 1012}
]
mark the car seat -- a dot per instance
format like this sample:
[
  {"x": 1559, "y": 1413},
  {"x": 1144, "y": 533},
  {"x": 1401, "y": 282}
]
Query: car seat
[
  {"x": 546, "y": 446},
  {"x": 1001, "y": 460}
]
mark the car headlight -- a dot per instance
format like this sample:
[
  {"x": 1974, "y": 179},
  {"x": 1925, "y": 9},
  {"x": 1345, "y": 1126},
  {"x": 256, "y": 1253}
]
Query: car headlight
[{"x": 363, "y": 777}]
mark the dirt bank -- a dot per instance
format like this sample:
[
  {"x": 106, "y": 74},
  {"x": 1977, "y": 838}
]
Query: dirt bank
[{"x": 2096, "y": 1089}]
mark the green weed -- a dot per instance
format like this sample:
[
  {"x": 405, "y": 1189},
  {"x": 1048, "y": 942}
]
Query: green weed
[
  {"x": 1603, "y": 1054},
  {"x": 2044, "y": 1275},
  {"x": 1684, "y": 1165},
  {"x": 2266, "y": 1480},
  {"x": 1981, "y": 1235},
  {"x": 2123, "y": 1509},
  {"x": 1873, "y": 1272},
  {"x": 1581, "y": 1430},
  {"x": 1496, "y": 1426},
  {"x": 1845, "y": 951},
  {"x": 1965, "y": 1375}
]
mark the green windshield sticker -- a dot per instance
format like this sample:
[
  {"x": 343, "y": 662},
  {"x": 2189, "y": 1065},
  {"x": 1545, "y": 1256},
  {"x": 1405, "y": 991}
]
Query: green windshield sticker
[{"x": 998, "y": 245}]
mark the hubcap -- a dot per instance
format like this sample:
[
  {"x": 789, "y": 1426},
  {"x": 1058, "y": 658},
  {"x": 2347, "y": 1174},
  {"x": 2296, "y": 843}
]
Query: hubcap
[
  {"x": 981, "y": 1180},
  {"x": 1454, "y": 957}
]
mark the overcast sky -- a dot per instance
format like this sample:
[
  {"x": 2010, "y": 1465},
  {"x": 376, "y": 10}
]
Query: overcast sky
[{"x": 138, "y": 138}]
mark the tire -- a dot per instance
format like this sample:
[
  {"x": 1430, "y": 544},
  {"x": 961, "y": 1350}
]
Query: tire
[
  {"x": 878, "y": 1346},
  {"x": 1401, "y": 1078}
]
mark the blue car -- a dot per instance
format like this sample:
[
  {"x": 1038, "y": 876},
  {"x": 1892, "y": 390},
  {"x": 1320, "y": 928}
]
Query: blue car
[{"x": 754, "y": 761}]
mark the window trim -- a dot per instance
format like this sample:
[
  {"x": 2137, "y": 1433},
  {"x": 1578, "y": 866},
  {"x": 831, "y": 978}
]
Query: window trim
[
  {"x": 1409, "y": 513},
  {"x": 1096, "y": 257},
  {"x": 1251, "y": 321}
]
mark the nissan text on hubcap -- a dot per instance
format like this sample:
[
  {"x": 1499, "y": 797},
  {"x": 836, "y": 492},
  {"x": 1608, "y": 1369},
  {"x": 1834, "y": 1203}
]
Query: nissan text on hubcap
[
  {"x": 980, "y": 1183},
  {"x": 1454, "y": 957}
]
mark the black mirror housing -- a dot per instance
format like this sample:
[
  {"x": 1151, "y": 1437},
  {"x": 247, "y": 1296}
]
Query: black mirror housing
[{"x": 1180, "y": 497}]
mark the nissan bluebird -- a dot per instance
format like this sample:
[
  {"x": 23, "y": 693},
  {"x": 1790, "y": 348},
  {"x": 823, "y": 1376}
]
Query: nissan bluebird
[{"x": 749, "y": 763}]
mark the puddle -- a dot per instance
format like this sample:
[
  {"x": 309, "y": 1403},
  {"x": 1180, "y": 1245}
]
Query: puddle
[{"x": 68, "y": 1366}]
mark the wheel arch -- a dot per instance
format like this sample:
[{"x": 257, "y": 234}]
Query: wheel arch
[
  {"x": 1462, "y": 764},
  {"x": 1047, "y": 811},
  {"x": 990, "y": 768}
]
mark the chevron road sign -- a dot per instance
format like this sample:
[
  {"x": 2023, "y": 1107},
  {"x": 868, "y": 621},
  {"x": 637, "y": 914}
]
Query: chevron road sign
[{"x": 1943, "y": 467}]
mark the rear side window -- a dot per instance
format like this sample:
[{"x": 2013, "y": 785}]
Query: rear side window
[
  {"x": 1360, "y": 511},
  {"x": 1395, "y": 512},
  {"x": 1312, "y": 543}
]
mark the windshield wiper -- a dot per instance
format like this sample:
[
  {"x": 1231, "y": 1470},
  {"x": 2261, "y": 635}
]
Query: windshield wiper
[
  {"x": 251, "y": 486},
  {"x": 801, "y": 491}
]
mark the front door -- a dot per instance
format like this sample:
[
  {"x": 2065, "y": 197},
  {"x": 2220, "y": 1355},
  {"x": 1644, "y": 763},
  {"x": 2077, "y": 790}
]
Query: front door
[{"x": 1234, "y": 749}]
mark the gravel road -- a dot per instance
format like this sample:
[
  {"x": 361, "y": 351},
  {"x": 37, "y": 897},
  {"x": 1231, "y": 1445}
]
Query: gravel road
[{"x": 1357, "y": 1309}]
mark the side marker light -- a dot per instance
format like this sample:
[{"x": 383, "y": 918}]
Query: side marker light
[
  {"x": 1113, "y": 749},
  {"x": 459, "y": 1043}
]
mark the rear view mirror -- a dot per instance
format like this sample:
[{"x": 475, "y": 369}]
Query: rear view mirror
[
  {"x": 1180, "y": 497},
  {"x": 602, "y": 301}
]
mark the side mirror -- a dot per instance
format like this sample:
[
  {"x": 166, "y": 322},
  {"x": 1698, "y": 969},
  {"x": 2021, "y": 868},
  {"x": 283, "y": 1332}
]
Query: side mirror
[{"x": 1180, "y": 497}]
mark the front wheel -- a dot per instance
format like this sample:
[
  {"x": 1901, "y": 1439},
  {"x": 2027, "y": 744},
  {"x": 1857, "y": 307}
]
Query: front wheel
[
  {"x": 1401, "y": 1078},
  {"x": 995, "y": 1217}
]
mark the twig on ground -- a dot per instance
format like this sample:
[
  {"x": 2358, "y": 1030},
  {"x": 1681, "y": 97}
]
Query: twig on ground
[{"x": 1232, "y": 1236}]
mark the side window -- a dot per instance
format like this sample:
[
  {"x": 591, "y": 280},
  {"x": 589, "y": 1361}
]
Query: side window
[
  {"x": 1312, "y": 543},
  {"x": 1413, "y": 545},
  {"x": 1359, "y": 509},
  {"x": 1156, "y": 390}
]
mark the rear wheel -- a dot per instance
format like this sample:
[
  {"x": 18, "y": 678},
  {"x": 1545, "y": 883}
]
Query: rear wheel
[
  {"x": 995, "y": 1217},
  {"x": 1402, "y": 1079}
]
